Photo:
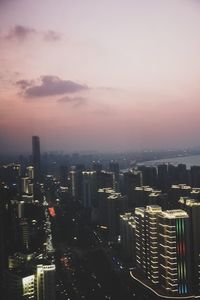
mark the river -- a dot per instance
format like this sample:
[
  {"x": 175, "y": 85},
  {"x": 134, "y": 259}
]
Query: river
[{"x": 193, "y": 160}]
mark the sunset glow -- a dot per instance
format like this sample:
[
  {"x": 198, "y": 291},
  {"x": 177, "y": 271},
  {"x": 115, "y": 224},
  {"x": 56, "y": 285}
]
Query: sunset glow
[{"x": 99, "y": 75}]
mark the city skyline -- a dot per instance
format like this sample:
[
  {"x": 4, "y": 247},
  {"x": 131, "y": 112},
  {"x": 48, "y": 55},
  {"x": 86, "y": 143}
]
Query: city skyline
[{"x": 109, "y": 76}]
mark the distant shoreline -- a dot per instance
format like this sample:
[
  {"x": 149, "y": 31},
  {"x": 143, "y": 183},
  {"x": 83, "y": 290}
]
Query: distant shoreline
[{"x": 189, "y": 160}]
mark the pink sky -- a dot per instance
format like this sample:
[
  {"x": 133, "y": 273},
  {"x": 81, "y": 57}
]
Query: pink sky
[{"x": 99, "y": 75}]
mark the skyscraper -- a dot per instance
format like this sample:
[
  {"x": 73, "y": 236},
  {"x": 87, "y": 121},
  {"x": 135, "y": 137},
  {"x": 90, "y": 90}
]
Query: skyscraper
[
  {"x": 89, "y": 188},
  {"x": 163, "y": 249},
  {"x": 192, "y": 207},
  {"x": 174, "y": 251},
  {"x": 36, "y": 157},
  {"x": 45, "y": 281},
  {"x": 146, "y": 241}
]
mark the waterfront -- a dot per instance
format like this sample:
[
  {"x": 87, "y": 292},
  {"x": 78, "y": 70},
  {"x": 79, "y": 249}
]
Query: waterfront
[{"x": 193, "y": 160}]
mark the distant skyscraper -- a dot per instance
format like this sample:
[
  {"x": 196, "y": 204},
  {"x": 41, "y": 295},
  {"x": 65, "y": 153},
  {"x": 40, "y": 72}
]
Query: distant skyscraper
[
  {"x": 36, "y": 157},
  {"x": 131, "y": 180},
  {"x": 89, "y": 188}
]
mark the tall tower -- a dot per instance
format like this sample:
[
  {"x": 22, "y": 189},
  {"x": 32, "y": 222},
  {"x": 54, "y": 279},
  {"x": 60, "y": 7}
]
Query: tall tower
[{"x": 36, "y": 157}]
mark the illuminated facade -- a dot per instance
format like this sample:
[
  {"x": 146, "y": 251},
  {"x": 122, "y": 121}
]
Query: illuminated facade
[
  {"x": 140, "y": 240},
  {"x": 176, "y": 191},
  {"x": 73, "y": 181},
  {"x": 25, "y": 233},
  {"x": 25, "y": 181},
  {"x": 146, "y": 239},
  {"x": 152, "y": 263},
  {"x": 30, "y": 172},
  {"x": 28, "y": 284},
  {"x": 193, "y": 209},
  {"x": 174, "y": 251},
  {"x": 45, "y": 281},
  {"x": 19, "y": 286}
]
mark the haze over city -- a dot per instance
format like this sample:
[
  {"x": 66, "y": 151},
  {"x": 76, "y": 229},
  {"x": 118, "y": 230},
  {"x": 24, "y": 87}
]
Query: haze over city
[{"x": 99, "y": 75}]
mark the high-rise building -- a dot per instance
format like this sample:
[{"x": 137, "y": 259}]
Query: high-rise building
[
  {"x": 36, "y": 157},
  {"x": 149, "y": 175},
  {"x": 141, "y": 196},
  {"x": 25, "y": 181},
  {"x": 146, "y": 241},
  {"x": 195, "y": 176},
  {"x": 117, "y": 204},
  {"x": 195, "y": 194},
  {"x": 192, "y": 207},
  {"x": 28, "y": 284},
  {"x": 19, "y": 285},
  {"x": 176, "y": 191},
  {"x": 163, "y": 177},
  {"x": 174, "y": 251},
  {"x": 152, "y": 264},
  {"x": 96, "y": 166},
  {"x": 163, "y": 249},
  {"x": 30, "y": 172},
  {"x": 64, "y": 175},
  {"x": 132, "y": 179},
  {"x": 76, "y": 182},
  {"x": 158, "y": 198},
  {"x": 102, "y": 202},
  {"x": 45, "y": 280},
  {"x": 105, "y": 179},
  {"x": 140, "y": 240},
  {"x": 89, "y": 188},
  {"x": 127, "y": 235},
  {"x": 114, "y": 168}
]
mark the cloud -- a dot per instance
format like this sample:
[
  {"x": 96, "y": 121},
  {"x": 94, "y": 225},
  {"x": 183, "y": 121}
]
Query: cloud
[
  {"x": 52, "y": 35},
  {"x": 20, "y": 32},
  {"x": 24, "y": 84},
  {"x": 49, "y": 86},
  {"x": 76, "y": 101}
]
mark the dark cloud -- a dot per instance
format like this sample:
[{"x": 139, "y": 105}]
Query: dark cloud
[
  {"x": 49, "y": 86},
  {"x": 24, "y": 84},
  {"x": 52, "y": 35},
  {"x": 20, "y": 32},
  {"x": 76, "y": 101}
]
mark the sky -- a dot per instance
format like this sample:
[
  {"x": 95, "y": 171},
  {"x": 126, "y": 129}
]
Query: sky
[{"x": 109, "y": 75}]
